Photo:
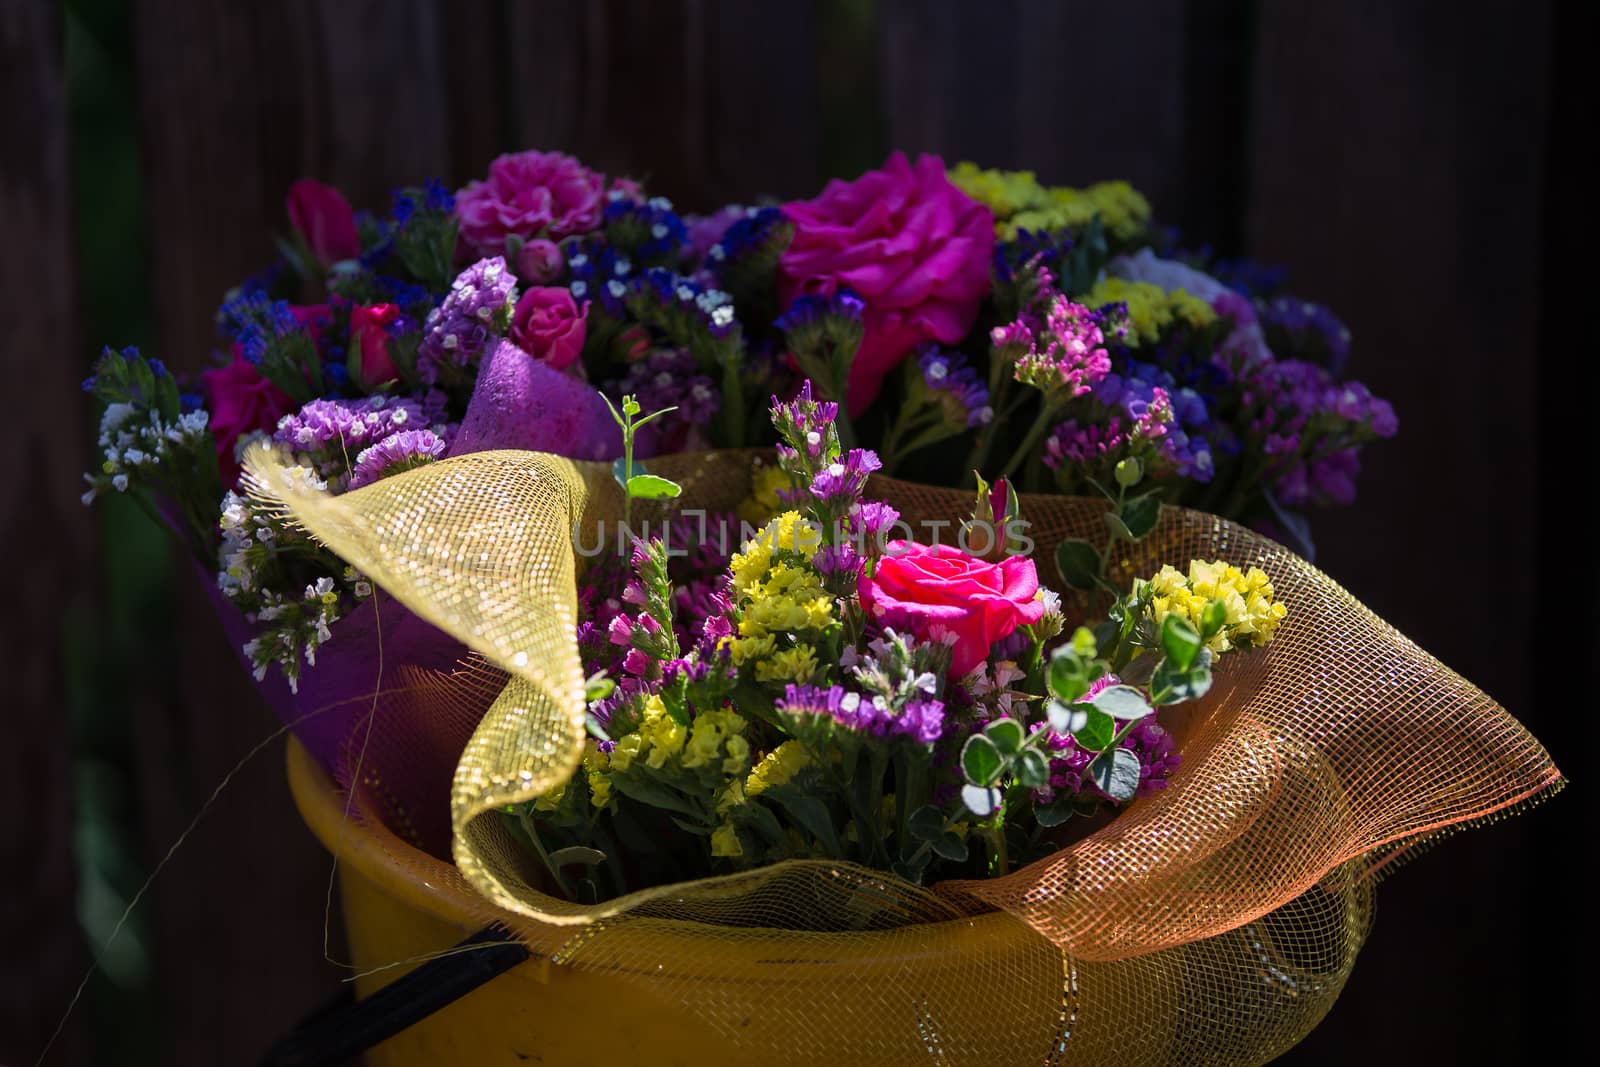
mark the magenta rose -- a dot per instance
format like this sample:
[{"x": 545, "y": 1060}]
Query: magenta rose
[
  {"x": 912, "y": 245},
  {"x": 550, "y": 326},
  {"x": 370, "y": 362},
  {"x": 548, "y": 195},
  {"x": 324, "y": 220},
  {"x": 936, "y": 591},
  {"x": 539, "y": 261},
  {"x": 240, "y": 401}
]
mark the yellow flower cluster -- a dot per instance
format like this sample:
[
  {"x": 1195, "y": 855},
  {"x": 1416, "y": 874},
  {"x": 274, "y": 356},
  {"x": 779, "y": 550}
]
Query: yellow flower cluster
[
  {"x": 779, "y": 595},
  {"x": 716, "y": 737},
  {"x": 763, "y": 503},
  {"x": 658, "y": 738},
  {"x": 777, "y": 767},
  {"x": 1020, "y": 202},
  {"x": 1151, "y": 308},
  {"x": 594, "y": 767},
  {"x": 1252, "y": 613}
]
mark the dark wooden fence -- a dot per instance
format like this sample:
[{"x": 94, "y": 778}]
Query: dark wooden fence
[{"x": 1393, "y": 155}]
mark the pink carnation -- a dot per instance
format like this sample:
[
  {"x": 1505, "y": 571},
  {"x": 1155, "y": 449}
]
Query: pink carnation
[
  {"x": 546, "y": 195},
  {"x": 912, "y": 245}
]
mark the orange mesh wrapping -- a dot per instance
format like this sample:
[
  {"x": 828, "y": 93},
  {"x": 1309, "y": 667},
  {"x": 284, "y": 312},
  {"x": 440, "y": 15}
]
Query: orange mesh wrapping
[{"x": 1215, "y": 921}]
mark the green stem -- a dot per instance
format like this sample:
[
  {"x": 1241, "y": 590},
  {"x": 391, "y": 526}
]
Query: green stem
[
  {"x": 1035, "y": 434},
  {"x": 528, "y": 827}
]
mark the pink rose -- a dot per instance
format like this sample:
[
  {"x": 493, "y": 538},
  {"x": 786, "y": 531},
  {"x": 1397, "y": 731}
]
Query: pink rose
[
  {"x": 539, "y": 261},
  {"x": 528, "y": 195},
  {"x": 322, "y": 217},
  {"x": 939, "y": 590},
  {"x": 240, "y": 401},
  {"x": 912, "y": 245},
  {"x": 370, "y": 362},
  {"x": 550, "y": 326}
]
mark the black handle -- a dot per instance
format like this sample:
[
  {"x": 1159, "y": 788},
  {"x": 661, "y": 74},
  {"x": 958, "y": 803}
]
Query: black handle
[{"x": 345, "y": 1027}]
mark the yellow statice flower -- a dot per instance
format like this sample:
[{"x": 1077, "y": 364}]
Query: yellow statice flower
[
  {"x": 732, "y": 796},
  {"x": 797, "y": 664},
  {"x": 1151, "y": 308},
  {"x": 711, "y": 734},
  {"x": 763, "y": 503},
  {"x": 777, "y": 767},
  {"x": 780, "y": 599},
  {"x": 1003, "y": 192},
  {"x": 725, "y": 841},
  {"x": 1123, "y": 210},
  {"x": 594, "y": 766},
  {"x": 1252, "y": 615}
]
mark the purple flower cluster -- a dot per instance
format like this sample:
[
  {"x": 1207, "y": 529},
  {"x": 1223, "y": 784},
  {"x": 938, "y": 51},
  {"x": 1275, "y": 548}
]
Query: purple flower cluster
[
  {"x": 805, "y": 427},
  {"x": 398, "y": 452},
  {"x": 1141, "y": 395},
  {"x": 921, "y": 721},
  {"x": 955, "y": 385},
  {"x": 459, "y": 331},
  {"x": 1298, "y": 329},
  {"x": 255, "y": 322},
  {"x": 839, "y": 485},
  {"x": 1066, "y": 357},
  {"x": 347, "y": 425},
  {"x": 1157, "y": 753},
  {"x": 818, "y": 311}
]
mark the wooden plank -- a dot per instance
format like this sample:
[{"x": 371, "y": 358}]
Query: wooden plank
[
  {"x": 235, "y": 103},
  {"x": 1077, "y": 92},
  {"x": 1400, "y": 176},
  {"x": 45, "y": 542},
  {"x": 710, "y": 101}
]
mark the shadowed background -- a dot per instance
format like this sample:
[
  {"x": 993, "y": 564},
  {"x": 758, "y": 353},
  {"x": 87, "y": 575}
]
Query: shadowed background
[{"x": 1403, "y": 160}]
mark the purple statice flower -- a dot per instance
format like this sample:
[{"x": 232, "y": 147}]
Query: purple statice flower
[
  {"x": 432, "y": 197},
  {"x": 1069, "y": 764},
  {"x": 839, "y": 485},
  {"x": 759, "y": 233},
  {"x": 1082, "y": 445},
  {"x": 1147, "y": 389},
  {"x": 1299, "y": 329},
  {"x": 459, "y": 331},
  {"x": 961, "y": 395},
  {"x": 704, "y": 232},
  {"x": 1039, "y": 252},
  {"x": 255, "y": 322},
  {"x": 1067, "y": 357},
  {"x": 838, "y": 560},
  {"x": 818, "y": 311},
  {"x": 921, "y": 721},
  {"x": 398, "y": 452},
  {"x": 347, "y": 424},
  {"x": 673, "y": 298},
  {"x": 873, "y": 518},
  {"x": 669, "y": 378},
  {"x": 649, "y": 229},
  {"x": 806, "y": 431}
]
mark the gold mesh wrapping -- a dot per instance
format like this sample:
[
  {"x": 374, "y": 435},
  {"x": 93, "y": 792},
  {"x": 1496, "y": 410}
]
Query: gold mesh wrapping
[{"x": 1215, "y": 921}]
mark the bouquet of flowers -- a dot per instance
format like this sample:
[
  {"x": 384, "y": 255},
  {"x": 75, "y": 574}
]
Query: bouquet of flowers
[{"x": 542, "y": 509}]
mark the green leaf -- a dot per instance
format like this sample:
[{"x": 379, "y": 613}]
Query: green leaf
[
  {"x": 981, "y": 760},
  {"x": 926, "y": 823},
  {"x": 759, "y": 818},
  {"x": 950, "y": 846},
  {"x": 1140, "y": 516},
  {"x": 589, "y": 857},
  {"x": 1065, "y": 719},
  {"x": 597, "y": 687},
  {"x": 1169, "y": 685},
  {"x": 1117, "y": 527},
  {"x": 619, "y": 471},
  {"x": 1180, "y": 641},
  {"x": 1078, "y": 563},
  {"x": 1212, "y": 618},
  {"x": 1033, "y": 769},
  {"x": 980, "y": 801},
  {"x": 652, "y": 487},
  {"x": 1007, "y": 735},
  {"x": 653, "y": 794},
  {"x": 1117, "y": 773},
  {"x": 811, "y": 813},
  {"x": 1097, "y": 731},
  {"x": 1068, "y": 674},
  {"x": 1058, "y": 811},
  {"x": 1122, "y": 702}
]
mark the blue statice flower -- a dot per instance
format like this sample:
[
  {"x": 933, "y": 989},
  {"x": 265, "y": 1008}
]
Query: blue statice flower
[{"x": 649, "y": 231}]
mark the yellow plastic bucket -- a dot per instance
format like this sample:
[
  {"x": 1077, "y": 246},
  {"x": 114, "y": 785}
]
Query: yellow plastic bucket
[{"x": 548, "y": 1013}]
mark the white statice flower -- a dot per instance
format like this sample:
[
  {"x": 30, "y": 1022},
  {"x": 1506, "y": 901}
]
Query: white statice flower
[{"x": 115, "y": 415}]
